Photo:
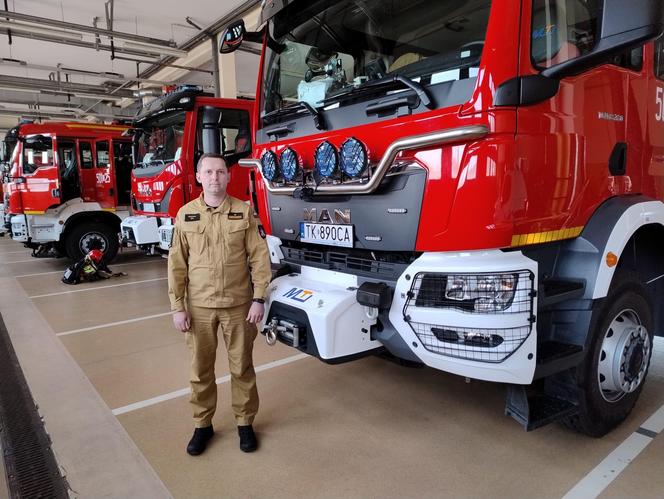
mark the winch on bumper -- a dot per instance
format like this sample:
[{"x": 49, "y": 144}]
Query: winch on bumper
[
  {"x": 470, "y": 314},
  {"x": 317, "y": 312}
]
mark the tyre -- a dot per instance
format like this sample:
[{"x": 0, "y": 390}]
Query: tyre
[
  {"x": 619, "y": 350},
  {"x": 89, "y": 236}
]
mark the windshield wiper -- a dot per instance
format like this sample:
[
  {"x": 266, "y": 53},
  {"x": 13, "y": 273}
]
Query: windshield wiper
[
  {"x": 373, "y": 86},
  {"x": 319, "y": 123}
]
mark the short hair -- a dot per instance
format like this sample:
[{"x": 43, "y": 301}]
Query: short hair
[{"x": 210, "y": 155}]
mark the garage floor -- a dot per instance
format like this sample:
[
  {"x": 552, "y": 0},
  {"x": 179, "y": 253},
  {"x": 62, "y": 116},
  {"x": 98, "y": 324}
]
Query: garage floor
[{"x": 109, "y": 374}]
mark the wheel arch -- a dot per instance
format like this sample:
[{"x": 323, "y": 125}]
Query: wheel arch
[{"x": 104, "y": 217}]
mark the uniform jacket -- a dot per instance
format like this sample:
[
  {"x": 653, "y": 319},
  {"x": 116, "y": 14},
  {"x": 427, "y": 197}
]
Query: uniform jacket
[{"x": 216, "y": 255}]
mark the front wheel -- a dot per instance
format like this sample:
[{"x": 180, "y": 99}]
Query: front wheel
[
  {"x": 614, "y": 372},
  {"x": 89, "y": 236}
]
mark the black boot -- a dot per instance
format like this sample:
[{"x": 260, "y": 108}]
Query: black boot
[
  {"x": 248, "y": 442},
  {"x": 199, "y": 440}
]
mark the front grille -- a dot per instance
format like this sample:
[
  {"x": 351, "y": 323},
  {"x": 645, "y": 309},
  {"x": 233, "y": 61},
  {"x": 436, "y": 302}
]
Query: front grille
[
  {"x": 357, "y": 263},
  {"x": 483, "y": 345}
]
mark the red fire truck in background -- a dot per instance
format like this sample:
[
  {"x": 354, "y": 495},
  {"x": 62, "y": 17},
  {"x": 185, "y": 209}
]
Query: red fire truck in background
[
  {"x": 7, "y": 146},
  {"x": 68, "y": 187},
  {"x": 473, "y": 185},
  {"x": 170, "y": 135}
]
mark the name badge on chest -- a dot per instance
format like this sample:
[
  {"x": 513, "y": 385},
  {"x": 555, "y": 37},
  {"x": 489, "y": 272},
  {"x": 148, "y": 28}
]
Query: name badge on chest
[
  {"x": 233, "y": 215},
  {"x": 192, "y": 217}
]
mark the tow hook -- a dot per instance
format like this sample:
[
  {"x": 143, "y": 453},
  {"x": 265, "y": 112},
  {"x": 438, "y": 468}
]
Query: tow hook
[
  {"x": 287, "y": 329},
  {"x": 271, "y": 332}
]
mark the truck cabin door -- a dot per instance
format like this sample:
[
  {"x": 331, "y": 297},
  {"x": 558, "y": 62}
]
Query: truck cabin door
[
  {"x": 42, "y": 185},
  {"x": 86, "y": 171},
  {"x": 122, "y": 166},
  {"x": 70, "y": 185},
  {"x": 104, "y": 175},
  {"x": 226, "y": 131},
  {"x": 575, "y": 140},
  {"x": 655, "y": 119}
]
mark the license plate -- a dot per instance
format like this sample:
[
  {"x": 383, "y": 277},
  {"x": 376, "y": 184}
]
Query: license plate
[
  {"x": 148, "y": 207},
  {"x": 330, "y": 234}
]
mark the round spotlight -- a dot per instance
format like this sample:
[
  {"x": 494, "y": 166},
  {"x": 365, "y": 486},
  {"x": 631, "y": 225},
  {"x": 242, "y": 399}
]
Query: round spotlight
[
  {"x": 354, "y": 157},
  {"x": 269, "y": 165},
  {"x": 289, "y": 164},
  {"x": 326, "y": 159}
]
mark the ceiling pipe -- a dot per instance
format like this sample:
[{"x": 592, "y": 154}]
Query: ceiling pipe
[{"x": 85, "y": 29}]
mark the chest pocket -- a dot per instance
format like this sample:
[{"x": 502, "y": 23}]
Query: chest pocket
[
  {"x": 235, "y": 233},
  {"x": 195, "y": 234}
]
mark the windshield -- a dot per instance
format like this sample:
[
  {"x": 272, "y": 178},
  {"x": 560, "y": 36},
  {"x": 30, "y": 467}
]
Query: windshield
[
  {"x": 158, "y": 141},
  {"x": 322, "y": 49},
  {"x": 37, "y": 152}
]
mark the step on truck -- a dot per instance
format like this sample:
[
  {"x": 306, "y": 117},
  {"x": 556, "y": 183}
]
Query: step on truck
[
  {"x": 473, "y": 185},
  {"x": 68, "y": 188},
  {"x": 169, "y": 137}
]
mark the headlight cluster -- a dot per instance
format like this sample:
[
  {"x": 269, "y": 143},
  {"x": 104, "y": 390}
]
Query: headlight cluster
[
  {"x": 351, "y": 160},
  {"x": 488, "y": 293}
]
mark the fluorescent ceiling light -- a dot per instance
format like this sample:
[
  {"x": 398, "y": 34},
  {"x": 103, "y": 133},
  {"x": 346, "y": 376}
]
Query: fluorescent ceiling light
[
  {"x": 19, "y": 89},
  {"x": 84, "y": 95},
  {"x": 39, "y": 30},
  {"x": 154, "y": 49}
]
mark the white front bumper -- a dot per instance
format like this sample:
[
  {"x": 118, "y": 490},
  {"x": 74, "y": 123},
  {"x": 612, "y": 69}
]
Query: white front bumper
[
  {"x": 338, "y": 321},
  {"x": 140, "y": 230},
  {"x": 339, "y": 324}
]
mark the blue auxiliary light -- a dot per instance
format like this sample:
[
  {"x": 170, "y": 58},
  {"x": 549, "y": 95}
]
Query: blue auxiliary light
[
  {"x": 354, "y": 157},
  {"x": 269, "y": 165},
  {"x": 326, "y": 159},
  {"x": 289, "y": 164}
]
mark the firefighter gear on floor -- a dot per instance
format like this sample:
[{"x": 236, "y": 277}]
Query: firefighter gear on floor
[
  {"x": 216, "y": 255},
  {"x": 89, "y": 269}
]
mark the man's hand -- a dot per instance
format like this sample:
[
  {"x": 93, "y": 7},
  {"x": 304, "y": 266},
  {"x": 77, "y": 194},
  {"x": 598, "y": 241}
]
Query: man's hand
[
  {"x": 256, "y": 312},
  {"x": 182, "y": 321}
]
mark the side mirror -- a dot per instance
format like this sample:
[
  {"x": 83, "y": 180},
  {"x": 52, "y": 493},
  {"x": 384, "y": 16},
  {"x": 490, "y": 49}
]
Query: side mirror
[
  {"x": 232, "y": 37},
  {"x": 623, "y": 25}
]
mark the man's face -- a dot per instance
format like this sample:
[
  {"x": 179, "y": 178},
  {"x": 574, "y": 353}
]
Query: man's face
[{"x": 213, "y": 175}]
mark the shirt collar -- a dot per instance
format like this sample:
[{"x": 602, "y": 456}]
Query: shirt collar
[{"x": 224, "y": 206}]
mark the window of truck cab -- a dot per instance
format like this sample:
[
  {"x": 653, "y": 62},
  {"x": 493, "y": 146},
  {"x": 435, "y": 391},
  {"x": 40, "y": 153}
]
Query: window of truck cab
[
  {"x": 157, "y": 142},
  {"x": 566, "y": 29},
  {"x": 37, "y": 153},
  {"x": 321, "y": 49},
  {"x": 223, "y": 131}
]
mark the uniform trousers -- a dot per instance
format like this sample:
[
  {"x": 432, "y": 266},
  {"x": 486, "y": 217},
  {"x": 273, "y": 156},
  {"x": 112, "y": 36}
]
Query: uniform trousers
[{"x": 239, "y": 336}]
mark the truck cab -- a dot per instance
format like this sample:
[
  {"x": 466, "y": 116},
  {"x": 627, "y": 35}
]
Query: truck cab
[
  {"x": 169, "y": 137},
  {"x": 69, "y": 187},
  {"x": 475, "y": 186}
]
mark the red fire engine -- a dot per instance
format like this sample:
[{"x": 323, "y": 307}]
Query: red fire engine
[
  {"x": 170, "y": 134},
  {"x": 68, "y": 187},
  {"x": 473, "y": 185}
]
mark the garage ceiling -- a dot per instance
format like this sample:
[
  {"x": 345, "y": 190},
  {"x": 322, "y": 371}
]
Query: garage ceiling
[{"x": 43, "y": 77}]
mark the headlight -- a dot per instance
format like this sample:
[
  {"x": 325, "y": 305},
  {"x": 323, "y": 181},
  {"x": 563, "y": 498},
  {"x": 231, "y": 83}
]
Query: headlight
[
  {"x": 470, "y": 292},
  {"x": 487, "y": 293},
  {"x": 326, "y": 159},
  {"x": 289, "y": 164},
  {"x": 353, "y": 157},
  {"x": 269, "y": 165}
]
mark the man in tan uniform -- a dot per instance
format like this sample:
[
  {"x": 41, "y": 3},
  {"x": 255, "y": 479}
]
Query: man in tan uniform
[{"x": 218, "y": 271}]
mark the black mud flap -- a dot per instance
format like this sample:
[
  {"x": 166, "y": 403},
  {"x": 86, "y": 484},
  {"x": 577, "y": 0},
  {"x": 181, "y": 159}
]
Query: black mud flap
[{"x": 535, "y": 410}]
